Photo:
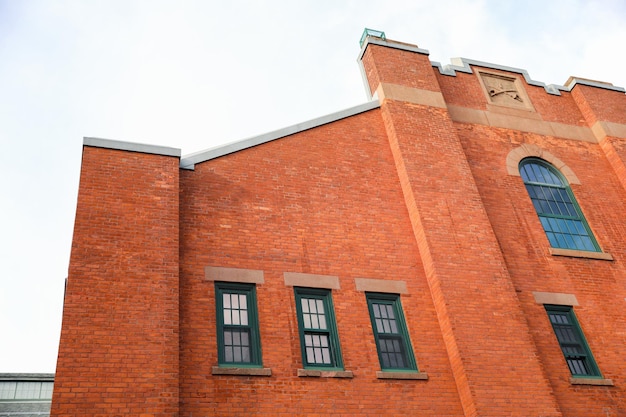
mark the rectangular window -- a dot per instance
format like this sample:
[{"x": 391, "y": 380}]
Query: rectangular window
[
  {"x": 237, "y": 325},
  {"x": 23, "y": 390},
  {"x": 390, "y": 332},
  {"x": 318, "y": 333},
  {"x": 572, "y": 341}
]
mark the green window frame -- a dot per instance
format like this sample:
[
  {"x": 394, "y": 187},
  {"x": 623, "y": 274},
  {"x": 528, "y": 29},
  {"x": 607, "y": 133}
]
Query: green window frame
[
  {"x": 238, "y": 340},
  {"x": 572, "y": 342},
  {"x": 319, "y": 340},
  {"x": 556, "y": 206},
  {"x": 390, "y": 332}
]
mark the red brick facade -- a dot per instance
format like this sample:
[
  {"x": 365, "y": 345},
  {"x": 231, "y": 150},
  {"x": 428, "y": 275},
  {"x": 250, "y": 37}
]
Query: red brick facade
[{"x": 418, "y": 195}]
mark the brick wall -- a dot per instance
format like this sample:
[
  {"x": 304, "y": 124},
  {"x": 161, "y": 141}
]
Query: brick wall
[
  {"x": 422, "y": 191},
  {"x": 119, "y": 339},
  {"x": 324, "y": 201}
]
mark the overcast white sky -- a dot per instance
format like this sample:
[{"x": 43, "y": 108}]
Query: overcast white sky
[{"x": 196, "y": 74}]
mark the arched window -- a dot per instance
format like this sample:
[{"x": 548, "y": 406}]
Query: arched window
[{"x": 556, "y": 206}]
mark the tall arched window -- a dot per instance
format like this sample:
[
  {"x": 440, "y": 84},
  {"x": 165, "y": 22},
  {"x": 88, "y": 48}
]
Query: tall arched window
[{"x": 556, "y": 206}]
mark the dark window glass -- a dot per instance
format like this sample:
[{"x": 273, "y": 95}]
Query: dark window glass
[
  {"x": 554, "y": 202},
  {"x": 390, "y": 332},
  {"x": 572, "y": 342}
]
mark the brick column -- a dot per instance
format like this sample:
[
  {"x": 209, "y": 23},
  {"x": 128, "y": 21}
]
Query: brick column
[
  {"x": 118, "y": 353},
  {"x": 493, "y": 357},
  {"x": 604, "y": 109}
]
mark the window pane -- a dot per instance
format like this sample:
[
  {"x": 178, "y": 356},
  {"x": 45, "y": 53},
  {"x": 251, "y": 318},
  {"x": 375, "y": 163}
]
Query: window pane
[
  {"x": 322, "y": 320},
  {"x": 7, "y": 390},
  {"x": 384, "y": 360},
  {"x": 394, "y": 327},
  {"x": 587, "y": 243},
  {"x": 320, "y": 306},
  {"x": 386, "y": 327},
  {"x": 326, "y": 356},
  {"x": 324, "y": 341},
  {"x": 379, "y": 326},
  {"x": 314, "y": 322},
  {"x": 46, "y": 390},
  {"x": 536, "y": 173}
]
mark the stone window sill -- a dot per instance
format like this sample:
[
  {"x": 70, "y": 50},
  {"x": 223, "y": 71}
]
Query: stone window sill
[
  {"x": 591, "y": 381},
  {"x": 581, "y": 254},
  {"x": 218, "y": 370},
  {"x": 401, "y": 375},
  {"x": 325, "y": 374}
]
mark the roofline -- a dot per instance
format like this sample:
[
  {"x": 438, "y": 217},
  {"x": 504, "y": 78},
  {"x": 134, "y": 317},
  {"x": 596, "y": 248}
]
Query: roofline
[
  {"x": 131, "y": 146},
  {"x": 573, "y": 81},
  {"x": 26, "y": 377},
  {"x": 463, "y": 65},
  {"x": 189, "y": 161}
]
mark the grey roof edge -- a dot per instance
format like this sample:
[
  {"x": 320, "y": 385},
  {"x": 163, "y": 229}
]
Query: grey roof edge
[
  {"x": 189, "y": 161},
  {"x": 131, "y": 146},
  {"x": 571, "y": 83},
  {"x": 371, "y": 40},
  {"x": 463, "y": 65},
  {"x": 26, "y": 377}
]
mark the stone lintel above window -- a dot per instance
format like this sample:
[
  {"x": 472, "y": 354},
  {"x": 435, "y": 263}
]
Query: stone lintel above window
[
  {"x": 381, "y": 285},
  {"x": 217, "y": 273},
  {"x": 299, "y": 279},
  {"x": 555, "y": 298}
]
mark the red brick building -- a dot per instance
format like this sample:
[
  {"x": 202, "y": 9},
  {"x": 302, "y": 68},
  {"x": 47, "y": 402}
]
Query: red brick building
[{"x": 455, "y": 247}]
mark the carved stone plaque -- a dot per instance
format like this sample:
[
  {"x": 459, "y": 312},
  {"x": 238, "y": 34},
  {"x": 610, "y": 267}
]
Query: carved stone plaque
[{"x": 505, "y": 91}]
